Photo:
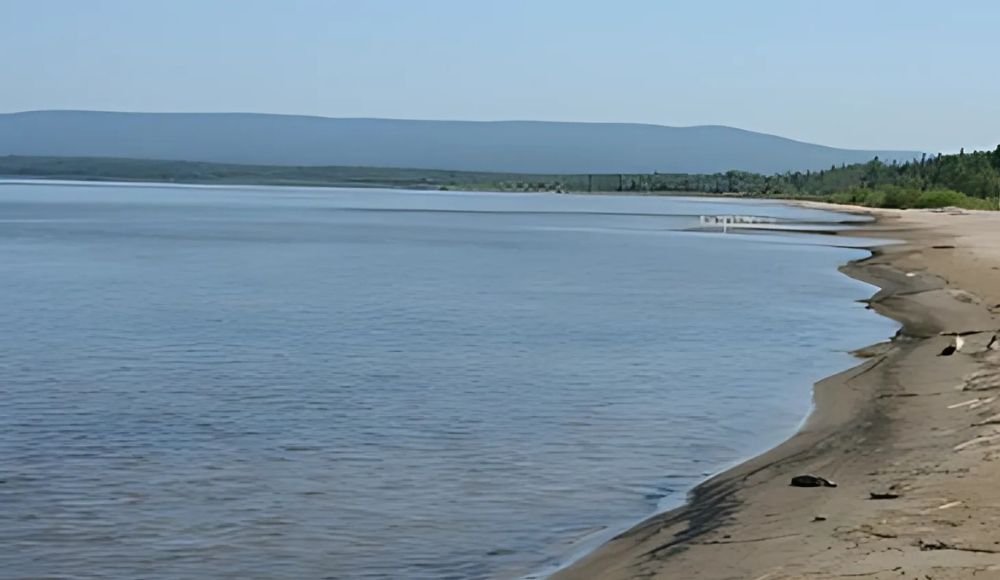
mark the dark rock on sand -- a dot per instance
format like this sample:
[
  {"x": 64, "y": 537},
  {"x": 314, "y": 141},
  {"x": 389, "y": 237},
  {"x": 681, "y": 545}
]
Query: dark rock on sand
[{"x": 811, "y": 481}]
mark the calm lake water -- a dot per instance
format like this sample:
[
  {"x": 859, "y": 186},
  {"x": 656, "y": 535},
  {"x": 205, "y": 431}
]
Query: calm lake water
[{"x": 290, "y": 383}]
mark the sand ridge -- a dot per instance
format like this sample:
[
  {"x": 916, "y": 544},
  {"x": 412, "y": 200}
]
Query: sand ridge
[{"x": 906, "y": 422}]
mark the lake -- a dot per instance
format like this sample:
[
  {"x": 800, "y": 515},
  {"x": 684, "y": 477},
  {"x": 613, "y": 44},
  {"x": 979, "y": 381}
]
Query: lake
[{"x": 302, "y": 383}]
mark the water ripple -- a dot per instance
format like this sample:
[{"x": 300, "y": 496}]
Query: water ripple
[{"x": 199, "y": 384}]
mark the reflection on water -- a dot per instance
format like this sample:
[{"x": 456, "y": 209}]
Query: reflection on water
[{"x": 268, "y": 383}]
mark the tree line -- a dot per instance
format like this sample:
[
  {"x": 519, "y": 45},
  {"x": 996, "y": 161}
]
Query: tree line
[
  {"x": 966, "y": 179},
  {"x": 963, "y": 179}
]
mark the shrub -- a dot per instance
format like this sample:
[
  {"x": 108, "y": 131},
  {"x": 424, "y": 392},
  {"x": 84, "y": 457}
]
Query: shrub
[
  {"x": 899, "y": 198},
  {"x": 896, "y": 197},
  {"x": 948, "y": 198}
]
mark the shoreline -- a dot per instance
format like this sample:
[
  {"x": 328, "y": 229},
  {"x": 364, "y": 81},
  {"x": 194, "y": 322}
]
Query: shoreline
[{"x": 877, "y": 427}]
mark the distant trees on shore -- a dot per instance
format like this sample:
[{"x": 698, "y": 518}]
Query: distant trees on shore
[{"x": 963, "y": 179}]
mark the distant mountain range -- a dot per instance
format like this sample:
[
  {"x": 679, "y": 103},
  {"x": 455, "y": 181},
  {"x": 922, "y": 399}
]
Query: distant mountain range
[{"x": 505, "y": 146}]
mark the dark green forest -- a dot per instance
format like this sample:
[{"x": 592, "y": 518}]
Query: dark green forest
[
  {"x": 963, "y": 179},
  {"x": 969, "y": 180}
]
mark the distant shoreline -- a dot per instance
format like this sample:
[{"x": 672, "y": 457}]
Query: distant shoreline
[
  {"x": 888, "y": 425},
  {"x": 927, "y": 183},
  {"x": 129, "y": 170},
  {"x": 7, "y": 179}
]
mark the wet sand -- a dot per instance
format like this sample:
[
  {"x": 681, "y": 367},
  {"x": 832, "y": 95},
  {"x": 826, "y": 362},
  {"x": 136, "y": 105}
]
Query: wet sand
[{"x": 907, "y": 423}]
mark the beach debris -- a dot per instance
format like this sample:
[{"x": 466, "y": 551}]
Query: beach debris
[
  {"x": 819, "y": 518},
  {"x": 950, "y": 210},
  {"x": 934, "y": 545},
  {"x": 883, "y": 495},
  {"x": 948, "y": 505},
  {"x": 977, "y": 342},
  {"x": 939, "y": 545},
  {"x": 954, "y": 347},
  {"x": 984, "y": 380},
  {"x": 911, "y": 274},
  {"x": 808, "y": 480},
  {"x": 964, "y": 403},
  {"x": 982, "y": 402},
  {"x": 976, "y": 441},
  {"x": 869, "y": 531},
  {"x": 994, "y": 420},
  {"x": 943, "y": 247}
]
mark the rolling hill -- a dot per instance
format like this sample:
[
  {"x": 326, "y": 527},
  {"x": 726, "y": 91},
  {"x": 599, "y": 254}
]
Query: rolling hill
[{"x": 505, "y": 146}]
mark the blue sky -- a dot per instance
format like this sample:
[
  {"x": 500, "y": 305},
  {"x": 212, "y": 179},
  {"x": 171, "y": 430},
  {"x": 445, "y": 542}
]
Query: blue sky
[{"x": 873, "y": 74}]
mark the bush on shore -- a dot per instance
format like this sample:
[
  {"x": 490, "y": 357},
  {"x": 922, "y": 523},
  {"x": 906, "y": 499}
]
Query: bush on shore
[{"x": 896, "y": 197}]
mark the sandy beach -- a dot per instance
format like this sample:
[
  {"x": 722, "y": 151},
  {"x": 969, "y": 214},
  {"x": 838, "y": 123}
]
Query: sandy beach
[{"x": 911, "y": 437}]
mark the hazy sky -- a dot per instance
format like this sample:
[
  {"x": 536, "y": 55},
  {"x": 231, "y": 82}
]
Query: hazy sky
[{"x": 853, "y": 73}]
